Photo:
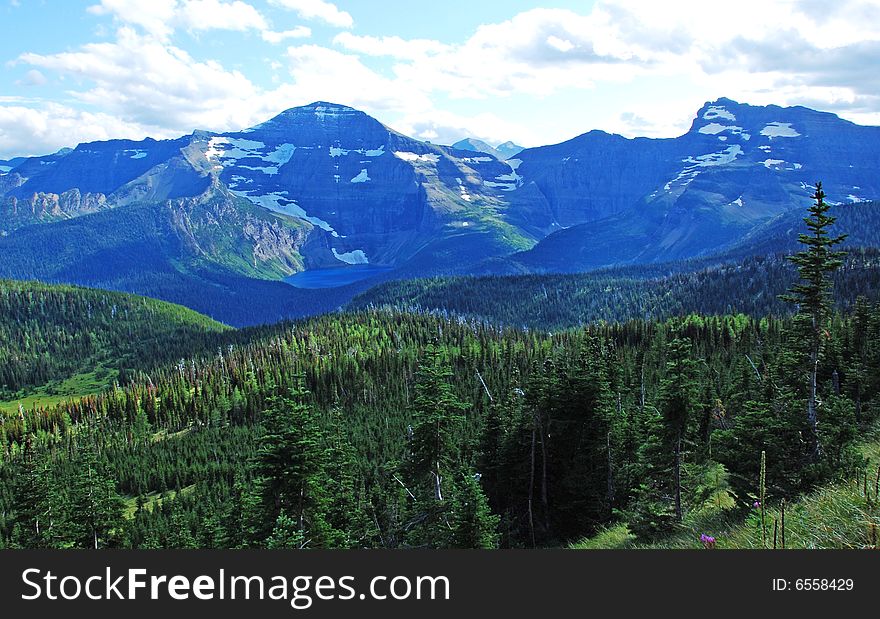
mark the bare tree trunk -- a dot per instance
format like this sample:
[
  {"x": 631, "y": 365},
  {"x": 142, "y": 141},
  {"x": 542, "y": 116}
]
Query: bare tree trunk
[
  {"x": 642, "y": 398},
  {"x": 438, "y": 493},
  {"x": 677, "y": 476},
  {"x": 610, "y": 488},
  {"x": 811, "y": 403},
  {"x": 544, "y": 501},
  {"x": 532, "y": 484}
]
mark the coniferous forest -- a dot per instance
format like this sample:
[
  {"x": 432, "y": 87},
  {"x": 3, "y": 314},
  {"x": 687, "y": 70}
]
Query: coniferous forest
[{"x": 487, "y": 426}]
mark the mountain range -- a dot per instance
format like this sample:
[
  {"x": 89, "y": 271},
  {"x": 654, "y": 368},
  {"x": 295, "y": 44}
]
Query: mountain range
[
  {"x": 501, "y": 152},
  {"x": 212, "y": 220}
]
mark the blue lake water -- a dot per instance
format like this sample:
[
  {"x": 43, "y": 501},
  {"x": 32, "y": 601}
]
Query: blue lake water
[{"x": 334, "y": 278}]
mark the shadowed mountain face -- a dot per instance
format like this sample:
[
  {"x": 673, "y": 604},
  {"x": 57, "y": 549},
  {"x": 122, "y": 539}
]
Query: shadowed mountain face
[
  {"x": 325, "y": 186},
  {"x": 642, "y": 200},
  {"x": 365, "y": 193},
  {"x": 372, "y": 195}
]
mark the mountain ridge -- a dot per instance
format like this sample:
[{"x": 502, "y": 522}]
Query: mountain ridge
[{"x": 326, "y": 186}]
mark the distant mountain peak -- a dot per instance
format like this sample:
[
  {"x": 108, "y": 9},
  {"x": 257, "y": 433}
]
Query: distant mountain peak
[{"x": 502, "y": 151}]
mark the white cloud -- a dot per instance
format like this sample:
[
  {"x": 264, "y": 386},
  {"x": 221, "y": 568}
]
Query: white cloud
[
  {"x": 634, "y": 66},
  {"x": 300, "y": 32},
  {"x": 318, "y": 9},
  {"x": 216, "y": 15},
  {"x": 37, "y": 131},
  {"x": 154, "y": 17},
  {"x": 319, "y": 73},
  {"x": 161, "y": 17},
  {"x": 152, "y": 83},
  {"x": 32, "y": 78},
  {"x": 443, "y": 127},
  {"x": 393, "y": 46}
]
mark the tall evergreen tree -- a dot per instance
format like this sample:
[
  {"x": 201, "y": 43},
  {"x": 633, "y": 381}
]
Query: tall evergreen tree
[
  {"x": 678, "y": 401},
  {"x": 289, "y": 474},
  {"x": 442, "y": 509},
  {"x": 812, "y": 295},
  {"x": 95, "y": 508}
]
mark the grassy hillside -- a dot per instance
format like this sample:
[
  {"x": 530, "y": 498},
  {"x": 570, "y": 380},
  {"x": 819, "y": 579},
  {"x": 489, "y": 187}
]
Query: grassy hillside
[
  {"x": 59, "y": 341},
  {"x": 845, "y": 514}
]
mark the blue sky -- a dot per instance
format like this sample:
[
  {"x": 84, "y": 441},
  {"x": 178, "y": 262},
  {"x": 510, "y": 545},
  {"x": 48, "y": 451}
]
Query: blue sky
[{"x": 532, "y": 72}]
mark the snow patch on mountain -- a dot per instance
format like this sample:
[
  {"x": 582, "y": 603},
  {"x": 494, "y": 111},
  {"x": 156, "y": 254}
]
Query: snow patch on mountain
[
  {"x": 277, "y": 202},
  {"x": 269, "y": 170},
  {"x": 136, "y": 153},
  {"x": 323, "y": 112},
  {"x": 772, "y": 164},
  {"x": 352, "y": 257},
  {"x": 413, "y": 157},
  {"x": 717, "y": 128},
  {"x": 718, "y": 111},
  {"x": 281, "y": 154},
  {"x": 689, "y": 173},
  {"x": 235, "y": 148},
  {"x": 713, "y": 128},
  {"x": 779, "y": 130},
  {"x": 362, "y": 177},
  {"x": 724, "y": 157},
  {"x": 463, "y": 191},
  {"x": 336, "y": 151}
]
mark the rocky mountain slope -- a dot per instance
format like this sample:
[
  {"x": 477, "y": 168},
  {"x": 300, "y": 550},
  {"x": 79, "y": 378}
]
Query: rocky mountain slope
[
  {"x": 325, "y": 186},
  {"x": 608, "y": 200}
]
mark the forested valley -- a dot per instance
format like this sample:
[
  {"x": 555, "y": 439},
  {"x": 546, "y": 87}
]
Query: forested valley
[{"x": 385, "y": 428}]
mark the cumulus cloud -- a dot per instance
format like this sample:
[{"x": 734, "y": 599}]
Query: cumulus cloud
[
  {"x": 153, "y": 83},
  {"x": 442, "y": 127},
  {"x": 161, "y": 17},
  {"x": 28, "y": 130},
  {"x": 32, "y": 78},
  {"x": 320, "y": 73},
  {"x": 393, "y": 46},
  {"x": 318, "y": 9},
  {"x": 300, "y": 32},
  {"x": 216, "y": 15},
  {"x": 154, "y": 17},
  {"x": 657, "y": 62}
]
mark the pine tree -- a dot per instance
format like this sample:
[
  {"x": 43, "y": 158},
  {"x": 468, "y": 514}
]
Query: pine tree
[
  {"x": 812, "y": 295},
  {"x": 289, "y": 471},
  {"x": 94, "y": 511},
  {"x": 581, "y": 477},
  {"x": 678, "y": 401},
  {"x": 434, "y": 450},
  {"x": 474, "y": 523}
]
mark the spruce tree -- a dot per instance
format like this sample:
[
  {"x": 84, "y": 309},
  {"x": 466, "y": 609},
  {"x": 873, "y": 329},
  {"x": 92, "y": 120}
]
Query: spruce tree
[
  {"x": 289, "y": 472},
  {"x": 812, "y": 295},
  {"x": 94, "y": 511},
  {"x": 434, "y": 450},
  {"x": 678, "y": 401}
]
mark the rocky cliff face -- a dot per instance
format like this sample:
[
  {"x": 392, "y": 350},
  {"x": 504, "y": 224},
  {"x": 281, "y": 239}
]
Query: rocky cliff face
[
  {"x": 46, "y": 207},
  {"x": 222, "y": 229}
]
